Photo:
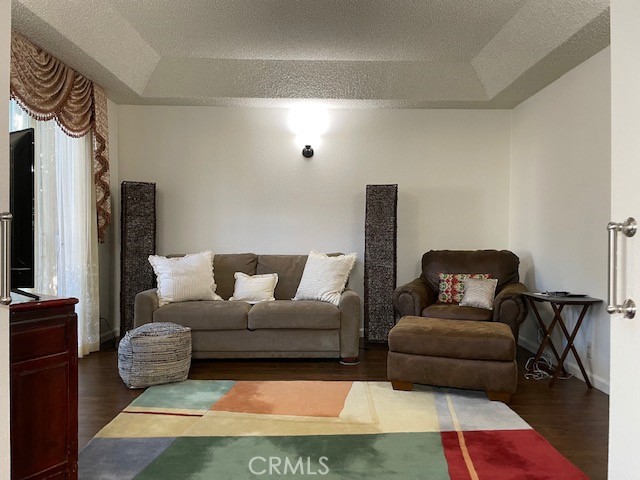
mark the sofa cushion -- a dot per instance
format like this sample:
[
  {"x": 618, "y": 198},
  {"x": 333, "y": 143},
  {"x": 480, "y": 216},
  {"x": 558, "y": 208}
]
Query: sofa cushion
[
  {"x": 437, "y": 337},
  {"x": 225, "y": 265},
  {"x": 289, "y": 269},
  {"x": 500, "y": 264},
  {"x": 300, "y": 314},
  {"x": 206, "y": 315},
  {"x": 456, "y": 312}
]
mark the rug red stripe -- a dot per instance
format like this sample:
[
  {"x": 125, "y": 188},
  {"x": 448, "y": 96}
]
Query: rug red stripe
[
  {"x": 457, "y": 467},
  {"x": 170, "y": 414},
  {"x": 508, "y": 455}
]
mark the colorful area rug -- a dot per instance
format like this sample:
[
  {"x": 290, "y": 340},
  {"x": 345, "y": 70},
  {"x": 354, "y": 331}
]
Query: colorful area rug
[{"x": 205, "y": 429}]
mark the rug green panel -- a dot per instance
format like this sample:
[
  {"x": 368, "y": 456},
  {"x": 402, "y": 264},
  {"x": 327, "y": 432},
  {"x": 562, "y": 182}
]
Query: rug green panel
[
  {"x": 395, "y": 456},
  {"x": 190, "y": 394}
]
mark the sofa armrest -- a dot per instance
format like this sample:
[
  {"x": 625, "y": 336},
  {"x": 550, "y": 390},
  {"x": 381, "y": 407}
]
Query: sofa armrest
[
  {"x": 509, "y": 307},
  {"x": 412, "y": 298},
  {"x": 145, "y": 304},
  {"x": 349, "y": 324}
]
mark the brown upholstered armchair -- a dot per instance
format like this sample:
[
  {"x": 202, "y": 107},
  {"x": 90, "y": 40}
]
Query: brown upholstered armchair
[{"x": 420, "y": 297}]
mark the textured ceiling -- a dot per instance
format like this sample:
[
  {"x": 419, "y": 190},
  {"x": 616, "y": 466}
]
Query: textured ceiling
[
  {"x": 373, "y": 30},
  {"x": 346, "y": 53}
]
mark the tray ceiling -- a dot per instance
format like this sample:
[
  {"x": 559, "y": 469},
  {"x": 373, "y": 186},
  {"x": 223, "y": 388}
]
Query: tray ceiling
[{"x": 347, "y": 53}]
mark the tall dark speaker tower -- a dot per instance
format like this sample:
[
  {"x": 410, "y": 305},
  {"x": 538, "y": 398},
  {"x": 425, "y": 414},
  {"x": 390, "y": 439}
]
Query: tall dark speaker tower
[
  {"x": 137, "y": 242},
  {"x": 380, "y": 245}
]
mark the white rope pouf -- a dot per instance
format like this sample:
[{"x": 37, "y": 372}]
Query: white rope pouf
[{"x": 155, "y": 353}]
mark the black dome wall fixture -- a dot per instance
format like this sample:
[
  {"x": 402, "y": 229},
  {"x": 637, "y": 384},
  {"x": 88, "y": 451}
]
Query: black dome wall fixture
[{"x": 307, "y": 151}]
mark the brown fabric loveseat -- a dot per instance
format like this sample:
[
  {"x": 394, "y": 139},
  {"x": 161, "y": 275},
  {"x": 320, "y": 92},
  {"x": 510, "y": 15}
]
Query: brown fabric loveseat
[
  {"x": 283, "y": 328},
  {"x": 419, "y": 297}
]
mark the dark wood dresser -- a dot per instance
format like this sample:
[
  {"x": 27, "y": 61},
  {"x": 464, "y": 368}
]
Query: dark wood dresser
[{"x": 44, "y": 389}]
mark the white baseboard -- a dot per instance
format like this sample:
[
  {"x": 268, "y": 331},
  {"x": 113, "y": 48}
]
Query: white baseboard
[{"x": 572, "y": 367}]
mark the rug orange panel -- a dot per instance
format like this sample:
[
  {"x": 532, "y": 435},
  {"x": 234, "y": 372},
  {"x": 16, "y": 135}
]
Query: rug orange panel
[{"x": 315, "y": 399}]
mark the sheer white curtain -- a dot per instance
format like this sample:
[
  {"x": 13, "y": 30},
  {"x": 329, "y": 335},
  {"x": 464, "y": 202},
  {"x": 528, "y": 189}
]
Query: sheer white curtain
[{"x": 66, "y": 238}]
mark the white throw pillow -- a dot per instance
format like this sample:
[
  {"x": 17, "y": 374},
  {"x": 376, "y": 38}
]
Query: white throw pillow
[
  {"x": 324, "y": 277},
  {"x": 479, "y": 292},
  {"x": 254, "y": 288},
  {"x": 181, "y": 279}
]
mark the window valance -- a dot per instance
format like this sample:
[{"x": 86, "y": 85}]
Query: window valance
[{"x": 48, "y": 89}]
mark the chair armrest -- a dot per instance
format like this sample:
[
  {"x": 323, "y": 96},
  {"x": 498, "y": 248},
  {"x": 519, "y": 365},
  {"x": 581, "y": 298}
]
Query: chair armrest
[
  {"x": 144, "y": 305},
  {"x": 349, "y": 324},
  {"x": 412, "y": 298},
  {"x": 509, "y": 307}
]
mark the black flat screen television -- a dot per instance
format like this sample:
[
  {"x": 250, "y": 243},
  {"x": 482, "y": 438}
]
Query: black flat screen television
[{"x": 22, "y": 190}]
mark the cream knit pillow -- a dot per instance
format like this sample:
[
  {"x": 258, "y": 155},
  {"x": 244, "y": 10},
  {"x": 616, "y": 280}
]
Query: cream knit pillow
[
  {"x": 184, "y": 278},
  {"x": 254, "y": 288},
  {"x": 324, "y": 277},
  {"x": 479, "y": 292}
]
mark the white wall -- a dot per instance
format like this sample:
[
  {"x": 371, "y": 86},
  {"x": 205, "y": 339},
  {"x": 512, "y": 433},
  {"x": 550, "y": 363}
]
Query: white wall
[
  {"x": 109, "y": 251},
  {"x": 234, "y": 179},
  {"x": 5, "y": 29},
  {"x": 560, "y": 199}
]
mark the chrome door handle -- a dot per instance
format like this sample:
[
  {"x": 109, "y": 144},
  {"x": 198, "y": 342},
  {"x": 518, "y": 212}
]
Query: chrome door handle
[
  {"x": 5, "y": 257},
  {"x": 628, "y": 307}
]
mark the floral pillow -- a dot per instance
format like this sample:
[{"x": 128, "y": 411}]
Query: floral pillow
[{"x": 452, "y": 285}]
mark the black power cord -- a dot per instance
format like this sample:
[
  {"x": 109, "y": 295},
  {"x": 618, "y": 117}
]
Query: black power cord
[{"x": 113, "y": 335}]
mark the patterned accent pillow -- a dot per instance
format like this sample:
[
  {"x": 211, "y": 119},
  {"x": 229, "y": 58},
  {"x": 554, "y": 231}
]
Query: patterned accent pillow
[
  {"x": 479, "y": 293},
  {"x": 452, "y": 285}
]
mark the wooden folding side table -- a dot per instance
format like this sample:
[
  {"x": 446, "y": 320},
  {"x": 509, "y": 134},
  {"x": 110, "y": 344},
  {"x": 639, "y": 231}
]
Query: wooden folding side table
[{"x": 557, "y": 304}]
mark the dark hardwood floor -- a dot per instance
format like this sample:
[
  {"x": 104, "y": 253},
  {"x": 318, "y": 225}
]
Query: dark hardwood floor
[{"x": 572, "y": 418}]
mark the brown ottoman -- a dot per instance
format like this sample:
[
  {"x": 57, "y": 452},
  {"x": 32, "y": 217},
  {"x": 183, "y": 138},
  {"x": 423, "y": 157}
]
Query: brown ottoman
[{"x": 453, "y": 353}]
